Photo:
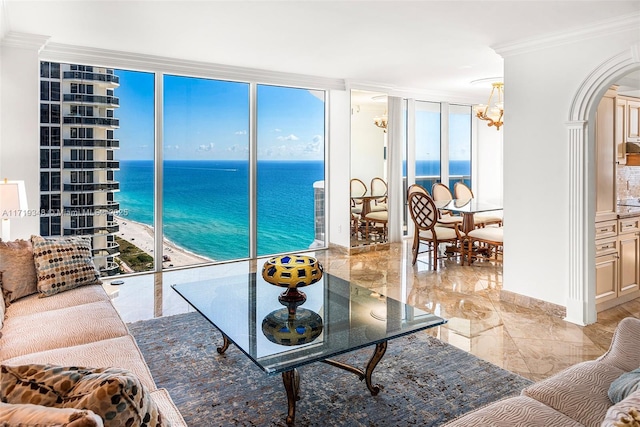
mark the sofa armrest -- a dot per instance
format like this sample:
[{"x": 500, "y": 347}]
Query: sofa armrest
[{"x": 624, "y": 351}]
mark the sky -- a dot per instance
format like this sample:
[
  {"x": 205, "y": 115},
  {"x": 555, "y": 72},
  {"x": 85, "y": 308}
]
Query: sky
[{"x": 209, "y": 119}]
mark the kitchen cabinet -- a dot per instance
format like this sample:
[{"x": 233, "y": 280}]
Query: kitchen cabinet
[
  {"x": 606, "y": 168},
  {"x": 633, "y": 120},
  {"x": 617, "y": 263},
  {"x": 626, "y": 128},
  {"x": 619, "y": 131}
]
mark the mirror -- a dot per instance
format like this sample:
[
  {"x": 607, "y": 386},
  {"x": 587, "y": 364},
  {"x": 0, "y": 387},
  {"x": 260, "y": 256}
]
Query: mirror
[{"x": 368, "y": 168}]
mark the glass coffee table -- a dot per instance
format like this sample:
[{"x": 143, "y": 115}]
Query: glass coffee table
[{"x": 337, "y": 317}]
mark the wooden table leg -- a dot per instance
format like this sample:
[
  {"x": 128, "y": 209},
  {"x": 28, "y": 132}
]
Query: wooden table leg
[{"x": 291, "y": 380}]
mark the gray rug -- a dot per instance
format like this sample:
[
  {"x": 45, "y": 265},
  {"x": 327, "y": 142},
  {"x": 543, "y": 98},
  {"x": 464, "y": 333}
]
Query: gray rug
[{"x": 426, "y": 382}]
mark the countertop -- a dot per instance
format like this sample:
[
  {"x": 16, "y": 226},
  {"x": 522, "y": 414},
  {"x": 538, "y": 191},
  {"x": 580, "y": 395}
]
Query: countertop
[
  {"x": 628, "y": 211},
  {"x": 628, "y": 208}
]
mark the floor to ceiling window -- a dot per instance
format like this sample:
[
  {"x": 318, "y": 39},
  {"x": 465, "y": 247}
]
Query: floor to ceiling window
[
  {"x": 206, "y": 167},
  {"x": 97, "y": 179},
  {"x": 290, "y": 168},
  {"x": 459, "y": 144},
  {"x": 427, "y": 143},
  {"x": 134, "y": 201}
]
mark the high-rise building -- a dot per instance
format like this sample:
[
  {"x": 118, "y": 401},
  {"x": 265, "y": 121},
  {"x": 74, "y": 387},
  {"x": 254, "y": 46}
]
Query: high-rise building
[{"x": 77, "y": 161}]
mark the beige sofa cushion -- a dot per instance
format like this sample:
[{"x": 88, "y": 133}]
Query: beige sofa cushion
[
  {"x": 580, "y": 391},
  {"x": 78, "y": 296},
  {"x": 121, "y": 352},
  {"x": 515, "y": 411},
  {"x": 167, "y": 408},
  {"x": 115, "y": 394},
  {"x": 18, "y": 270},
  {"x": 63, "y": 263},
  {"x": 64, "y": 327},
  {"x": 28, "y": 415}
]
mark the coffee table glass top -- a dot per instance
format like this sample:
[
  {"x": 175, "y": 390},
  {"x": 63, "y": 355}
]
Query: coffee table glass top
[{"x": 336, "y": 318}]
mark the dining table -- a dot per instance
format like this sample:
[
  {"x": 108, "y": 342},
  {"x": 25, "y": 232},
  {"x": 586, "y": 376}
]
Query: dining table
[{"x": 467, "y": 208}]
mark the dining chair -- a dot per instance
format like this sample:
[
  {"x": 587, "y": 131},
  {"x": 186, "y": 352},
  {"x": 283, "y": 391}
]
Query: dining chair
[
  {"x": 441, "y": 192},
  {"x": 377, "y": 221},
  {"x": 358, "y": 189},
  {"x": 463, "y": 192},
  {"x": 427, "y": 230},
  {"x": 378, "y": 188},
  {"x": 490, "y": 239}
]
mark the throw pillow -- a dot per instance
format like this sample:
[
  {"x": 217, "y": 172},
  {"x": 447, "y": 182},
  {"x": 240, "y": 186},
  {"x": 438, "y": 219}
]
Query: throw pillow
[
  {"x": 115, "y": 394},
  {"x": 63, "y": 263},
  {"x": 624, "y": 385},
  {"x": 28, "y": 415},
  {"x": 631, "y": 419},
  {"x": 18, "y": 270}
]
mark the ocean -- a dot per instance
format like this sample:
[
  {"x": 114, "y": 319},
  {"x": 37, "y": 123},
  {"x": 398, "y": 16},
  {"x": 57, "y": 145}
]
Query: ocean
[{"x": 206, "y": 203}]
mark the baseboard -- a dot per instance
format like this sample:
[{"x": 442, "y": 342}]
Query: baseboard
[{"x": 546, "y": 307}]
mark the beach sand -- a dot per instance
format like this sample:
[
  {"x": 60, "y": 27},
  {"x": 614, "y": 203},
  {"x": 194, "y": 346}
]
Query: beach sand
[{"x": 141, "y": 235}]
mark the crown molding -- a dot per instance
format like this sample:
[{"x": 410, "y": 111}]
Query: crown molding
[
  {"x": 409, "y": 92},
  {"x": 151, "y": 63},
  {"x": 629, "y": 22},
  {"x": 24, "y": 40}
]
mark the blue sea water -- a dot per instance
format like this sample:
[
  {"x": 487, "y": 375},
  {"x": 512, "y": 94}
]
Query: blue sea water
[{"x": 206, "y": 204}]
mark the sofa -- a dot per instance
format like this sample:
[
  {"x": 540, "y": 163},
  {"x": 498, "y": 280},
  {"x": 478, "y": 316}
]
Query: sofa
[
  {"x": 577, "y": 396},
  {"x": 69, "y": 323}
]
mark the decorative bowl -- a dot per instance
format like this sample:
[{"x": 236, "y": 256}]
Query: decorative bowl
[
  {"x": 292, "y": 272},
  {"x": 282, "y": 327}
]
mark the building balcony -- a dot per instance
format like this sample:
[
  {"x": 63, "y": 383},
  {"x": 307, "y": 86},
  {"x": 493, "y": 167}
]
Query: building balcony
[
  {"x": 98, "y": 186},
  {"x": 80, "y": 98},
  {"x": 110, "y": 80},
  {"x": 111, "y": 269},
  {"x": 106, "y": 143},
  {"x": 92, "y": 121},
  {"x": 110, "y": 228},
  {"x": 90, "y": 164},
  {"x": 112, "y": 249},
  {"x": 96, "y": 209}
]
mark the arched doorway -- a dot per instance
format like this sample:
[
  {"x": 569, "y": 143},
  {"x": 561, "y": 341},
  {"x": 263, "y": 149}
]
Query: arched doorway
[{"x": 581, "y": 293}]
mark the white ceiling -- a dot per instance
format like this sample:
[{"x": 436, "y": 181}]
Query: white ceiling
[{"x": 426, "y": 46}]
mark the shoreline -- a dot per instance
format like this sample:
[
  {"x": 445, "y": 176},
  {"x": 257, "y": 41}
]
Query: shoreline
[{"x": 142, "y": 236}]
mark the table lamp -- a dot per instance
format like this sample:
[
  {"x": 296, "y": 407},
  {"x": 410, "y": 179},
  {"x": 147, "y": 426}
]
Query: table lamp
[{"x": 13, "y": 203}]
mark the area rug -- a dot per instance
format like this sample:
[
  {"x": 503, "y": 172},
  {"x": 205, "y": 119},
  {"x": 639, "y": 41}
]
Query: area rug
[{"x": 426, "y": 381}]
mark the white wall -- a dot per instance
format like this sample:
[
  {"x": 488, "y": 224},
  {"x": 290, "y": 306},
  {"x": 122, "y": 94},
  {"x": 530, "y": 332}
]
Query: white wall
[
  {"x": 339, "y": 161},
  {"x": 539, "y": 88},
  {"x": 19, "y": 134},
  {"x": 488, "y": 163},
  {"x": 367, "y": 143}
]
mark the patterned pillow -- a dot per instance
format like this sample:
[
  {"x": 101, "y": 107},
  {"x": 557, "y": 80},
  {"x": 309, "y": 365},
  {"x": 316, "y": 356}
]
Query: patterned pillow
[
  {"x": 38, "y": 416},
  {"x": 19, "y": 272},
  {"x": 63, "y": 264},
  {"x": 622, "y": 410},
  {"x": 115, "y": 394}
]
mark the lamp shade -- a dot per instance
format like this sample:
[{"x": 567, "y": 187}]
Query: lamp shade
[{"x": 13, "y": 199}]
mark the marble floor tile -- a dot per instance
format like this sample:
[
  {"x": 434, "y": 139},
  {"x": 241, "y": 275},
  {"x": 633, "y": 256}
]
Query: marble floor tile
[{"x": 522, "y": 340}]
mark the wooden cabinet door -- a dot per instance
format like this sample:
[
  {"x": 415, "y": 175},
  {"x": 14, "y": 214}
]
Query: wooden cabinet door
[
  {"x": 629, "y": 251},
  {"x": 619, "y": 136},
  {"x": 606, "y": 197},
  {"x": 633, "y": 121},
  {"x": 606, "y": 277}
]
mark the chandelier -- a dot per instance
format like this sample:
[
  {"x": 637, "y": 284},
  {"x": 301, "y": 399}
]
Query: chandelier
[
  {"x": 492, "y": 112},
  {"x": 381, "y": 122}
]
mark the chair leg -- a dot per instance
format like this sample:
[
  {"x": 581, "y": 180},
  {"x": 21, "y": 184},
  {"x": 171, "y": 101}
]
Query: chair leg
[{"x": 434, "y": 247}]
